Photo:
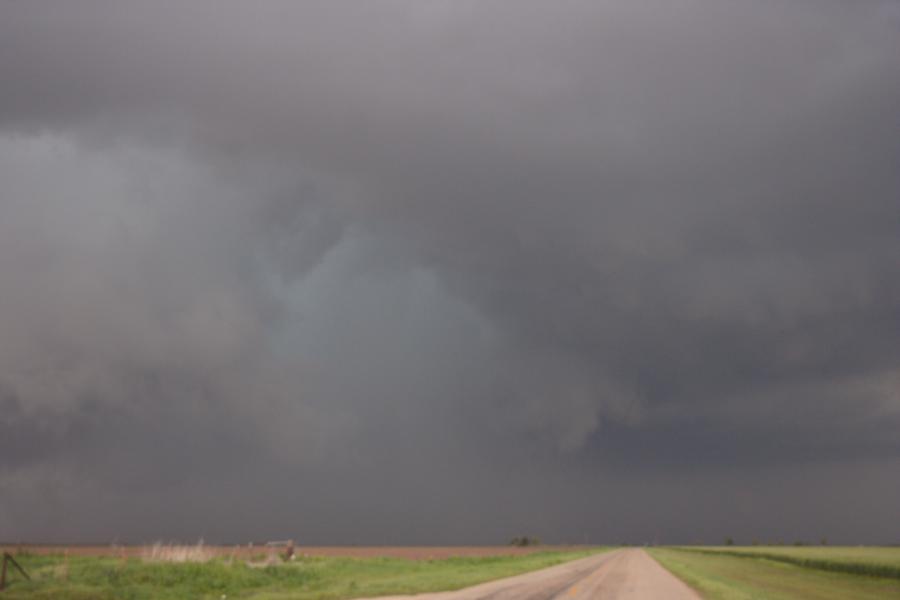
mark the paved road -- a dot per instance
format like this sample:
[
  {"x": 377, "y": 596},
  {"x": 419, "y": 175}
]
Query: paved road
[{"x": 628, "y": 574}]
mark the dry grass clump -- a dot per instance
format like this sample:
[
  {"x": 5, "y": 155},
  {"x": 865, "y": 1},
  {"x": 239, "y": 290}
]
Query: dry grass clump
[
  {"x": 272, "y": 559},
  {"x": 160, "y": 552}
]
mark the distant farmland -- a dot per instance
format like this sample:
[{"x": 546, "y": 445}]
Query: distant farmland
[
  {"x": 860, "y": 560},
  {"x": 784, "y": 573},
  {"x": 259, "y": 572},
  {"x": 246, "y": 550}
]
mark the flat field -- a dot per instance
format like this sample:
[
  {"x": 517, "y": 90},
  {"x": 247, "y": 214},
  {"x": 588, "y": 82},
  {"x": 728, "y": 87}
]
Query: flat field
[
  {"x": 231, "y": 572},
  {"x": 795, "y": 573},
  {"x": 862, "y": 560},
  {"x": 243, "y": 551}
]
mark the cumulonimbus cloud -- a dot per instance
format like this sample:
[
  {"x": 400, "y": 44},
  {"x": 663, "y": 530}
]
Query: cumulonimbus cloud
[{"x": 441, "y": 241}]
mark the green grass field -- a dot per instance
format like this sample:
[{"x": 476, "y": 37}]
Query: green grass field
[
  {"x": 92, "y": 578},
  {"x": 748, "y": 573},
  {"x": 861, "y": 560}
]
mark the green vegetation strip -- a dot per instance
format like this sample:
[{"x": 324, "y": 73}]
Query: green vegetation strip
[
  {"x": 724, "y": 576},
  {"x": 321, "y": 578},
  {"x": 871, "y": 569}
]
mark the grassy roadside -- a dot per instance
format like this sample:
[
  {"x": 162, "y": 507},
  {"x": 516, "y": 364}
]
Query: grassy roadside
[
  {"x": 726, "y": 576},
  {"x": 856, "y": 560},
  {"x": 93, "y": 578}
]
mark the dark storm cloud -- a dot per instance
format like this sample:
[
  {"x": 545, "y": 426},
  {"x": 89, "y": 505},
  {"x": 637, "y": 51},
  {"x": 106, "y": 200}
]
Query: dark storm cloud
[{"x": 400, "y": 263}]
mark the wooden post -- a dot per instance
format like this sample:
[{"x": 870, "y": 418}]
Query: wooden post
[
  {"x": 7, "y": 557},
  {"x": 289, "y": 553}
]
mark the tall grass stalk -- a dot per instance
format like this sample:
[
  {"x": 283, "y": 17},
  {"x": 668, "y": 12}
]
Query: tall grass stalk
[{"x": 160, "y": 552}]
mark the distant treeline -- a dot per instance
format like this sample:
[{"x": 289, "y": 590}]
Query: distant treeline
[{"x": 822, "y": 564}]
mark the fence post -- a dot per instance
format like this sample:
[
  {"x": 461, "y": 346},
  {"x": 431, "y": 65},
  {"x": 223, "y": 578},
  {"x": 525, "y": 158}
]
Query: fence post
[{"x": 7, "y": 557}]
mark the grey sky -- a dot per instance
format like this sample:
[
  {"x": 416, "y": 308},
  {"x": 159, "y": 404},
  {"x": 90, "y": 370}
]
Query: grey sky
[{"x": 449, "y": 272}]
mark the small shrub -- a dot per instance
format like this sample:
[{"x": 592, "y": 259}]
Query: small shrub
[{"x": 525, "y": 541}]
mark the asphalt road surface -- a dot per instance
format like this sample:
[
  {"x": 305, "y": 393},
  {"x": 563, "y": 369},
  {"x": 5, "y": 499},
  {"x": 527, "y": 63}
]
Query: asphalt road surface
[{"x": 628, "y": 574}]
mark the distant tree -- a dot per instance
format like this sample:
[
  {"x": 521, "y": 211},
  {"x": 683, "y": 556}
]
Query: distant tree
[
  {"x": 729, "y": 541},
  {"x": 823, "y": 541},
  {"x": 525, "y": 541}
]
